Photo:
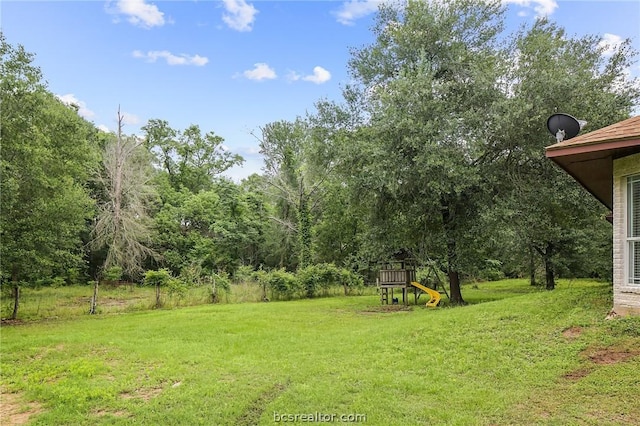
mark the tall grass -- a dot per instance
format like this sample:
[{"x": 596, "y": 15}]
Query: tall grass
[{"x": 64, "y": 302}]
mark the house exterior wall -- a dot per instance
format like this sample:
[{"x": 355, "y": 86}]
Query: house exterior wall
[{"x": 626, "y": 297}]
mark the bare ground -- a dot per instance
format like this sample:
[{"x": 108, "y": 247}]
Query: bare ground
[{"x": 14, "y": 411}]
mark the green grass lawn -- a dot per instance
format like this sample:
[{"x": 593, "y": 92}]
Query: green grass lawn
[{"x": 515, "y": 355}]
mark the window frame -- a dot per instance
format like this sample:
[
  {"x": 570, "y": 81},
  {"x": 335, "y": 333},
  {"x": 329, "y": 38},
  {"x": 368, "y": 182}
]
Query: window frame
[{"x": 631, "y": 241}]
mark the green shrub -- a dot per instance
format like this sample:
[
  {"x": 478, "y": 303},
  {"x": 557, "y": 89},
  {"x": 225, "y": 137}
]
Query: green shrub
[
  {"x": 158, "y": 279},
  {"x": 309, "y": 280},
  {"x": 113, "y": 273},
  {"x": 243, "y": 274},
  {"x": 282, "y": 284},
  {"x": 73, "y": 276},
  {"x": 350, "y": 281},
  {"x": 192, "y": 275},
  {"x": 218, "y": 281},
  {"x": 492, "y": 271},
  {"x": 176, "y": 288},
  {"x": 322, "y": 277}
]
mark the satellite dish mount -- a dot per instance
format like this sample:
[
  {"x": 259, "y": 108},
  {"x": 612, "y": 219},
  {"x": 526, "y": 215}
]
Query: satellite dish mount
[{"x": 564, "y": 126}]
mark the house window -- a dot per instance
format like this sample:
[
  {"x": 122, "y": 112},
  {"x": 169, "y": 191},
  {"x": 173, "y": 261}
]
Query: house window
[{"x": 633, "y": 228}]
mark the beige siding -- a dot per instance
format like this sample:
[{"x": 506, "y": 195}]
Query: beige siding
[{"x": 626, "y": 297}]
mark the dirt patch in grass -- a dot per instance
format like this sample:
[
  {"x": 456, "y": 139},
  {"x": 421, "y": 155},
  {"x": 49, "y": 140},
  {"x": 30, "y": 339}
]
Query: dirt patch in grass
[
  {"x": 103, "y": 413},
  {"x": 611, "y": 355},
  {"x": 7, "y": 321},
  {"x": 145, "y": 394},
  {"x": 600, "y": 356},
  {"x": 577, "y": 374},
  {"x": 14, "y": 411},
  {"x": 386, "y": 309},
  {"x": 572, "y": 332}
]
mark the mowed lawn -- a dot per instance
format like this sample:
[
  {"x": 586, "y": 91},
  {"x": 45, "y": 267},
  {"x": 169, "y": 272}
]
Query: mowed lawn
[{"x": 515, "y": 355}]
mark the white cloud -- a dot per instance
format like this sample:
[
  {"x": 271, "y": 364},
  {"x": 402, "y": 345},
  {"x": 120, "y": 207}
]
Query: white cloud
[
  {"x": 240, "y": 14},
  {"x": 319, "y": 76},
  {"x": 260, "y": 71},
  {"x": 355, "y": 9},
  {"x": 139, "y": 13},
  {"x": 170, "y": 58},
  {"x": 103, "y": 128},
  {"x": 293, "y": 76},
  {"x": 128, "y": 118},
  {"x": 541, "y": 7},
  {"x": 610, "y": 43},
  {"x": 252, "y": 150},
  {"x": 70, "y": 99}
]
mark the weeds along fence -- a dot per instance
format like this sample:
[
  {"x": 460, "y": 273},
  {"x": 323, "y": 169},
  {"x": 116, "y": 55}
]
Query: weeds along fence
[{"x": 63, "y": 302}]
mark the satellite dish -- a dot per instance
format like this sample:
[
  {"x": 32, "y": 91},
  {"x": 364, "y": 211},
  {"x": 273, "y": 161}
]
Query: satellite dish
[{"x": 564, "y": 126}]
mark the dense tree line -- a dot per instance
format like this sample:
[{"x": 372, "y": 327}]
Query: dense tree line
[{"x": 437, "y": 147}]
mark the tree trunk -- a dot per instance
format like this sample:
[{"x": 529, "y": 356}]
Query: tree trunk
[
  {"x": 532, "y": 266},
  {"x": 549, "y": 268},
  {"x": 214, "y": 291},
  {"x": 16, "y": 300},
  {"x": 157, "y": 296},
  {"x": 453, "y": 273},
  {"x": 94, "y": 299}
]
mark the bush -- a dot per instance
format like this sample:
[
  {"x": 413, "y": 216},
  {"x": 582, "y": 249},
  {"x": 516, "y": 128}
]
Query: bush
[
  {"x": 113, "y": 273},
  {"x": 282, "y": 284},
  {"x": 317, "y": 277},
  {"x": 307, "y": 282},
  {"x": 243, "y": 274},
  {"x": 492, "y": 271},
  {"x": 176, "y": 287},
  {"x": 323, "y": 276},
  {"x": 350, "y": 281},
  {"x": 218, "y": 281},
  {"x": 159, "y": 278},
  {"x": 192, "y": 275}
]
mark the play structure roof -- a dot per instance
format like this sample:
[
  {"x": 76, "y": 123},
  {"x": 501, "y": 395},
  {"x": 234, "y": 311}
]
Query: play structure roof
[{"x": 589, "y": 157}]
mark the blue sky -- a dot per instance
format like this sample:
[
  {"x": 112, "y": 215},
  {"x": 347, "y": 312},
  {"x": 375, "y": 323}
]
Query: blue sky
[{"x": 230, "y": 66}]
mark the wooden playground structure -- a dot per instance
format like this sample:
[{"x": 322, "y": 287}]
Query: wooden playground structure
[{"x": 400, "y": 275}]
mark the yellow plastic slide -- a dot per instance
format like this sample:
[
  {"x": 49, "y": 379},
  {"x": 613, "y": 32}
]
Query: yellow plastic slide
[{"x": 434, "y": 295}]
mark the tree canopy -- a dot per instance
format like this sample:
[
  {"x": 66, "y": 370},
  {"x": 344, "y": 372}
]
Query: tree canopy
[{"x": 436, "y": 147}]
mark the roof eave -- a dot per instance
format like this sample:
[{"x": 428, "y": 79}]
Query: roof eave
[{"x": 558, "y": 149}]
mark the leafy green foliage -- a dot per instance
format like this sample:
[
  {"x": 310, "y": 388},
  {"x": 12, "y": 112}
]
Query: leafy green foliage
[
  {"x": 190, "y": 159},
  {"x": 216, "y": 230},
  {"x": 176, "y": 288},
  {"x": 159, "y": 279},
  {"x": 113, "y": 273},
  {"x": 438, "y": 148},
  {"x": 547, "y": 210},
  {"x": 319, "y": 278},
  {"x": 427, "y": 84},
  {"x": 47, "y": 152},
  {"x": 282, "y": 284}
]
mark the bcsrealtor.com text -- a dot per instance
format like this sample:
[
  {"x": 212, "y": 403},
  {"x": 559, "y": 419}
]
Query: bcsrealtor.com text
[{"x": 318, "y": 417}]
